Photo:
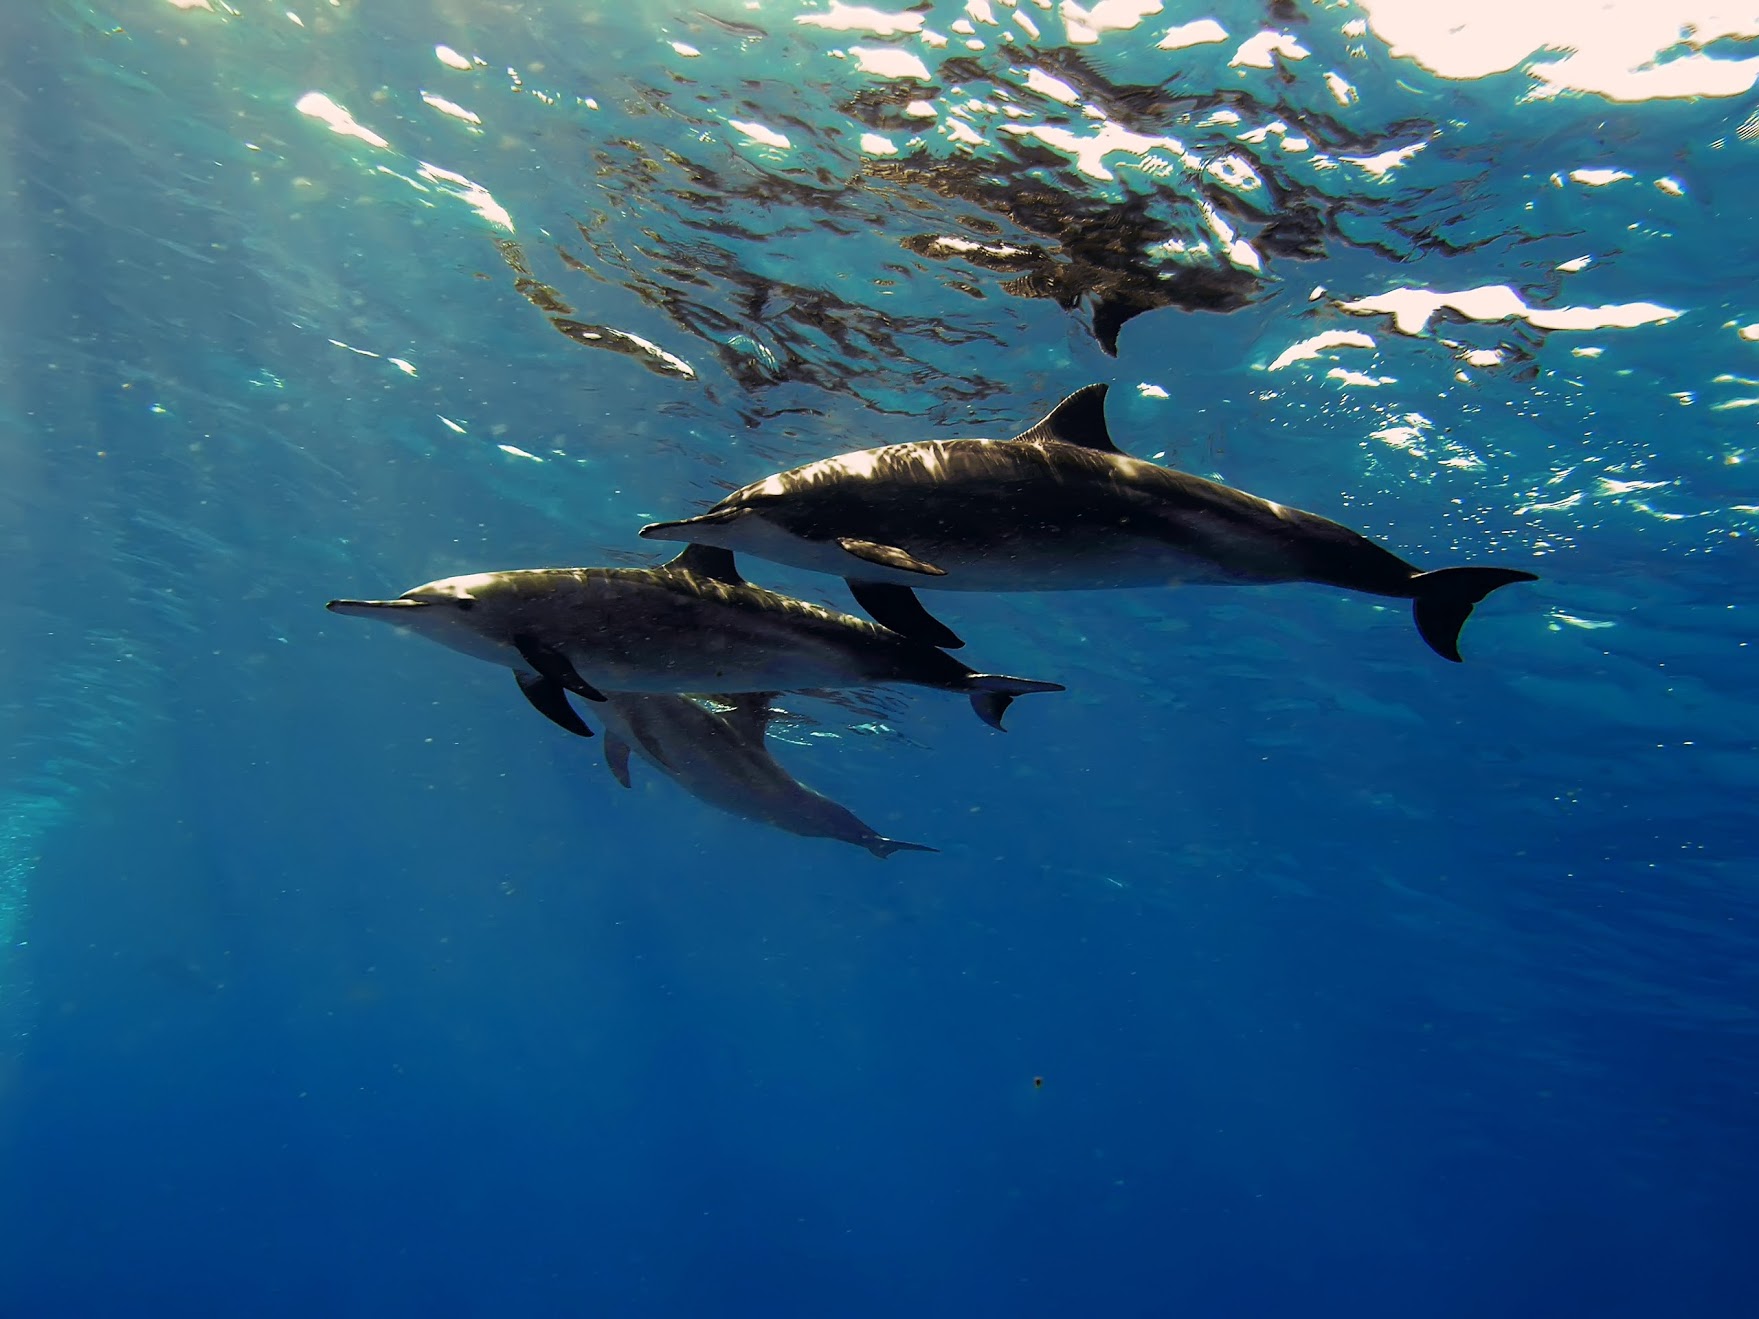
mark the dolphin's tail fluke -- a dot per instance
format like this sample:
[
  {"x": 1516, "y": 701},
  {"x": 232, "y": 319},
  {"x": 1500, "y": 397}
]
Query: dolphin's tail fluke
[
  {"x": 884, "y": 847},
  {"x": 1444, "y": 601},
  {"x": 992, "y": 694}
]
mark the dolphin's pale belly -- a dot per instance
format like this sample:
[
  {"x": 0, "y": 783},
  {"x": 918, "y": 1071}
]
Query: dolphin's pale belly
[{"x": 1075, "y": 560}]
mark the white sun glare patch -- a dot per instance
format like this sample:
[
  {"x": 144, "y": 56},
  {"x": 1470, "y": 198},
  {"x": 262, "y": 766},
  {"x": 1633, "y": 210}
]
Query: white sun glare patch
[
  {"x": 960, "y": 131},
  {"x": 1308, "y": 349},
  {"x": 515, "y": 451},
  {"x": 322, "y": 108},
  {"x": 1112, "y": 139},
  {"x": 1412, "y": 308},
  {"x": 889, "y": 62},
  {"x": 1084, "y": 25},
  {"x": 1236, "y": 172},
  {"x": 758, "y": 133},
  {"x": 1055, "y": 88},
  {"x": 855, "y": 18},
  {"x": 875, "y": 145},
  {"x": 948, "y": 243},
  {"x": 1598, "y": 178},
  {"x": 403, "y": 365},
  {"x": 1203, "y": 32},
  {"x": 451, "y": 58},
  {"x": 1616, "y": 47},
  {"x": 471, "y": 194},
  {"x": 1259, "y": 52},
  {"x": 452, "y": 108},
  {"x": 1358, "y": 378},
  {"x": 1386, "y": 162}
]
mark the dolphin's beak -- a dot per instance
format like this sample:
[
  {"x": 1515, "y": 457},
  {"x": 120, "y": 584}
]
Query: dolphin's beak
[
  {"x": 683, "y": 530},
  {"x": 372, "y": 608}
]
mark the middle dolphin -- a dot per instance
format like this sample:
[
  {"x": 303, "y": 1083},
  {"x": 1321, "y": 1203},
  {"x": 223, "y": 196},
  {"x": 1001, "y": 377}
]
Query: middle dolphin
[
  {"x": 1056, "y": 508},
  {"x": 690, "y": 625}
]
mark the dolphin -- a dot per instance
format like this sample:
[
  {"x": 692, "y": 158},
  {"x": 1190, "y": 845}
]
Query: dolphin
[
  {"x": 1057, "y": 508},
  {"x": 689, "y": 625},
  {"x": 721, "y": 758}
]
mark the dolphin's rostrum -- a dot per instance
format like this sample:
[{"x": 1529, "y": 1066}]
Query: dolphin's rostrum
[{"x": 1058, "y": 507}]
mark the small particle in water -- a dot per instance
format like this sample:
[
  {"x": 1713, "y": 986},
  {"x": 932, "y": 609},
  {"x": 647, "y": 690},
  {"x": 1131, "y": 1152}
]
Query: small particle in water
[{"x": 1038, "y": 1083}]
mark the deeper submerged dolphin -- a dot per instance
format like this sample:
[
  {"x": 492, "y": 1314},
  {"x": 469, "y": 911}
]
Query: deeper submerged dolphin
[
  {"x": 1056, "y": 508},
  {"x": 722, "y": 759},
  {"x": 690, "y": 625}
]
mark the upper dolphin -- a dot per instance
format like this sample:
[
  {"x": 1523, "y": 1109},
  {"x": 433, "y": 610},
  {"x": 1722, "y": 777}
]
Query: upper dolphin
[
  {"x": 723, "y": 758},
  {"x": 1058, "y": 507},
  {"x": 690, "y": 625}
]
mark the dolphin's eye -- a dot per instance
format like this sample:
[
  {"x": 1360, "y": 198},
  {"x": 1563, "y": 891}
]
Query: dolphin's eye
[{"x": 466, "y": 604}]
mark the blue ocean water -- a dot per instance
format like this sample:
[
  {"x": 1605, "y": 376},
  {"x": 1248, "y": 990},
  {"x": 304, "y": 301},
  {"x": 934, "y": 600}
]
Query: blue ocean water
[{"x": 1277, "y": 967}]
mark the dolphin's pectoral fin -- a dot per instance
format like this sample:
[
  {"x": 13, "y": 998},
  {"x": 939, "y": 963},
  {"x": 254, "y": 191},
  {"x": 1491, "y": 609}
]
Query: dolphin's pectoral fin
[
  {"x": 549, "y": 700},
  {"x": 888, "y": 556},
  {"x": 554, "y": 666},
  {"x": 617, "y": 758},
  {"x": 1444, "y": 600},
  {"x": 1078, "y": 419},
  {"x": 898, "y": 608},
  {"x": 707, "y": 561},
  {"x": 750, "y": 713}
]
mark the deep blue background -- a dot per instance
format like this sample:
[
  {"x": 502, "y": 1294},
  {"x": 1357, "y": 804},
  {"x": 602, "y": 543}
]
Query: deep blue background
[{"x": 1357, "y": 983}]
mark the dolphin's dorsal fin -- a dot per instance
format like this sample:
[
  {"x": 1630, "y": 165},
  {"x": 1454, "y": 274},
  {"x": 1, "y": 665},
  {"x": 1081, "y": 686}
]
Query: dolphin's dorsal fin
[
  {"x": 750, "y": 712},
  {"x": 708, "y": 561},
  {"x": 1078, "y": 419}
]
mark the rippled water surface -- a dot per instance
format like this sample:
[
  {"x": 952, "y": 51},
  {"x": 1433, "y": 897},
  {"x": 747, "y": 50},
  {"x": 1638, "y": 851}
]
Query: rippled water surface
[{"x": 1277, "y": 967}]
